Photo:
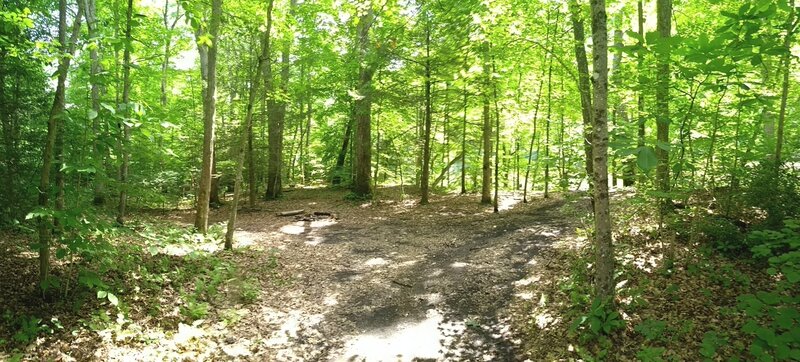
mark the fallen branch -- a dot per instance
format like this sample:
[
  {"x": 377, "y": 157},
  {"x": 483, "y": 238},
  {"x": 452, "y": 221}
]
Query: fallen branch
[
  {"x": 291, "y": 212},
  {"x": 402, "y": 284}
]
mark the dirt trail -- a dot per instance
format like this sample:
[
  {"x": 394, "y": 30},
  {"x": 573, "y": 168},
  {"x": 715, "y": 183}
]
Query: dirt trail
[{"x": 394, "y": 280}]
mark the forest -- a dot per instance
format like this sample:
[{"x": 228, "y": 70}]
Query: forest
[{"x": 399, "y": 180}]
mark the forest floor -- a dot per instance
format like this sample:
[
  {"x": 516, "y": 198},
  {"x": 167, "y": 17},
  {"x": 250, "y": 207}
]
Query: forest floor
[{"x": 386, "y": 280}]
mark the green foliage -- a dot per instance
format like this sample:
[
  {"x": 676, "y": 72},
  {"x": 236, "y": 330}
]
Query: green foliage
[
  {"x": 651, "y": 329},
  {"x": 722, "y": 233},
  {"x": 774, "y": 316},
  {"x": 651, "y": 354},
  {"x": 710, "y": 343},
  {"x": 775, "y": 190},
  {"x": 600, "y": 321}
]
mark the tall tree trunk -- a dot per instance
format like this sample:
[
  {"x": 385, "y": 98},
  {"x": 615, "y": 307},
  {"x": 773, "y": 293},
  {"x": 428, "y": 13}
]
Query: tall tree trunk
[
  {"x": 786, "y": 62},
  {"x": 126, "y": 130},
  {"x": 664, "y": 25},
  {"x": 56, "y": 116},
  {"x": 584, "y": 86},
  {"x": 486, "y": 183},
  {"x": 363, "y": 108},
  {"x": 604, "y": 252},
  {"x": 496, "y": 206},
  {"x": 209, "y": 73},
  {"x": 547, "y": 125},
  {"x": 464, "y": 136},
  {"x": 261, "y": 64},
  {"x": 533, "y": 139},
  {"x": 640, "y": 116},
  {"x": 96, "y": 87},
  {"x": 426, "y": 136},
  {"x": 277, "y": 114}
]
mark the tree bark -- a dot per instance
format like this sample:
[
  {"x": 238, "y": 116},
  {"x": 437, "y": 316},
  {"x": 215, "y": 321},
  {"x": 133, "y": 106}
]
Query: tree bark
[
  {"x": 786, "y": 62},
  {"x": 56, "y": 115},
  {"x": 277, "y": 120},
  {"x": 126, "y": 130},
  {"x": 641, "y": 80},
  {"x": 426, "y": 136},
  {"x": 486, "y": 183},
  {"x": 584, "y": 85},
  {"x": 209, "y": 113},
  {"x": 362, "y": 162},
  {"x": 664, "y": 25},
  {"x": 98, "y": 190},
  {"x": 604, "y": 252}
]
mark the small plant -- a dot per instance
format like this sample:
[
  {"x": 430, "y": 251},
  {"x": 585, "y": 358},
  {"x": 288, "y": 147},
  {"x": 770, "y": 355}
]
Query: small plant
[
  {"x": 651, "y": 329},
  {"x": 249, "y": 291},
  {"x": 710, "y": 343},
  {"x": 28, "y": 328},
  {"x": 651, "y": 354},
  {"x": 600, "y": 321},
  {"x": 195, "y": 310}
]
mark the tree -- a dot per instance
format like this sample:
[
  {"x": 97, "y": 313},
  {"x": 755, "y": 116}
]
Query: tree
[
  {"x": 584, "y": 85},
  {"x": 126, "y": 107},
  {"x": 426, "y": 136},
  {"x": 604, "y": 252},
  {"x": 208, "y": 45},
  {"x": 664, "y": 25},
  {"x": 362, "y": 163},
  {"x": 56, "y": 116},
  {"x": 486, "y": 183}
]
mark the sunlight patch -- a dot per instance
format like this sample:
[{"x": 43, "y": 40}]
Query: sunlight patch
[
  {"x": 459, "y": 264},
  {"x": 293, "y": 229},
  {"x": 376, "y": 262},
  {"x": 507, "y": 203},
  {"x": 527, "y": 281},
  {"x": 406, "y": 341}
]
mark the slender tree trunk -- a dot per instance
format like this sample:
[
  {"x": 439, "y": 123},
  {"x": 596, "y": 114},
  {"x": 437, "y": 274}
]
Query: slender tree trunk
[
  {"x": 209, "y": 114},
  {"x": 363, "y": 111},
  {"x": 126, "y": 130},
  {"x": 486, "y": 183},
  {"x": 604, "y": 252},
  {"x": 640, "y": 141},
  {"x": 530, "y": 147},
  {"x": 547, "y": 126},
  {"x": 786, "y": 62},
  {"x": 426, "y": 136},
  {"x": 278, "y": 119},
  {"x": 496, "y": 208},
  {"x": 664, "y": 25},
  {"x": 464, "y": 137},
  {"x": 584, "y": 86},
  {"x": 94, "y": 73},
  {"x": 56, "y": 115}
]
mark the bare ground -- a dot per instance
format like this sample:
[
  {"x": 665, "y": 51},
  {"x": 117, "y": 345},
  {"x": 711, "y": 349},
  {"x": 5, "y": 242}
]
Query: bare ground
[{"x": 383, "y": 281}]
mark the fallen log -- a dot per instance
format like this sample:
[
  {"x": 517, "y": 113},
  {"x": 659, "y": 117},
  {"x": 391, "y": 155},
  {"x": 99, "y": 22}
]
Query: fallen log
[{"x": 291, "y": 212}]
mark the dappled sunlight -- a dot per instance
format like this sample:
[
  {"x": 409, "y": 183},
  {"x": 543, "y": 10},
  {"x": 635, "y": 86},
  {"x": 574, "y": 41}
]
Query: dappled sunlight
[
  {"x": 246, "y": 238},
  {"x": 376, "y": 262},
  {"x": 405, "y": 341},
  {"x": 296, "y": 228},
  {"x": 646, "y": 263},
  {"x": 459, "y": 264},
  {"x": 507, "y": 203}
]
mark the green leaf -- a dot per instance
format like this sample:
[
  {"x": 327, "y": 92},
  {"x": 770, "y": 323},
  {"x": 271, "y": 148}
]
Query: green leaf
[
  {"x": 101, "y": 294},
  {"x": 92, "y": 114},
  {"x": 113, "y": 299},
  {"x": 646, "y": 159}
]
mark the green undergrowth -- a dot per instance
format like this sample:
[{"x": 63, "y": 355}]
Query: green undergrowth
[
  {"x": 123, "y": 282},
  {"x": 703, "y": 287}
]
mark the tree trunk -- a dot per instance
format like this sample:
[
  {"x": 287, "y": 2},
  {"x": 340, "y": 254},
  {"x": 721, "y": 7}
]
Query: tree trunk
[
  {"x": 584, "y": 85},
  {"x": 126, "y": 130},
  {"x": 261, "y": 64},
  {"x": 96, "y": 87},
  {"x": 664, "y": 25},
  {"x": 362, "y": 162},
  {"x": 209, "y": 72},
  {"x": 56, "y": 114},
  {"x": 547, "y": 125},
  {"x": 641, "y": 80},
  {"x": 495, "y": 205},
  {"x": 426, "y": 136},
  {"x": 464, "y": 137},
  {"x": 486, "y": 183},
  {"x": 786, "y": 62},
  {"x": 604, "y": 252},
  {"x": 277, "y": 120}
]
